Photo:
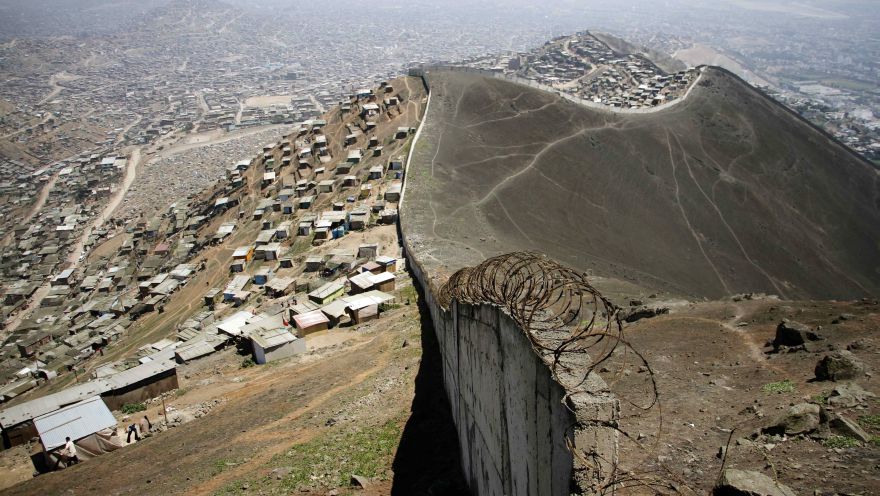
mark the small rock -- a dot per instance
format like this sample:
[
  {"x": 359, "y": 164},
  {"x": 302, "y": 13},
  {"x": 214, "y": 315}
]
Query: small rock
[
  {"x": 359, "y": 481},
  {"x": 838, "y": 366},
  {"x": 749, "y": 483},
  {"x": 859, "y": 344},
  {"x": 280, "y": 472}
]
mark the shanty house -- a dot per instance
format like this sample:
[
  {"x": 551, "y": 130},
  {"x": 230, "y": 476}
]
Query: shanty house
[
  {"x": 310, "y": 322},
  {"x": 275, "y": 344},
  {"x": 327, "y": 293},
  {"x": 88, "y": 423}
]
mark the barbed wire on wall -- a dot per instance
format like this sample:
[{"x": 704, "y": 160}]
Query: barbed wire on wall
[{"x": 579, "y": 330}]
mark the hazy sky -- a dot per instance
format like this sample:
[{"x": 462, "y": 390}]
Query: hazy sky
[{"x": 683, "y": 17}]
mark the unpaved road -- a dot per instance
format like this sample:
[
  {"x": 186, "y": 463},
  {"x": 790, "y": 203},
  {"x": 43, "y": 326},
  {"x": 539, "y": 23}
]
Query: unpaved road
[{"x": 267, "y": 410}]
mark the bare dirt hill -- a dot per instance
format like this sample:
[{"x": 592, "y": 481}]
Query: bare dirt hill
[{"x": 722, "y": 193}]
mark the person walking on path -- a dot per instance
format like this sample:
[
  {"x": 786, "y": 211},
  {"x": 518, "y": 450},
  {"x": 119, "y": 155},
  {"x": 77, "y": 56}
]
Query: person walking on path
[{"x": 132, "y": 429}]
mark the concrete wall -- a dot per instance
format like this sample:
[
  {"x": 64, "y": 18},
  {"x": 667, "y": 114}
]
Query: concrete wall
[{"x": 514, "y": 420}]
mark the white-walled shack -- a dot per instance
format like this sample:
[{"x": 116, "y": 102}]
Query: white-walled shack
[
  {"x": 275, "y": 344},
  {"x": 88, "y": 423},
  {"x": 17, "y": 421}
]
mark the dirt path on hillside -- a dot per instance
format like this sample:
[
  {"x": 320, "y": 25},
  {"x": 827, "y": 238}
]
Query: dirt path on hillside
[
  {"x": 35, "y": 208},
  {"x": 273, "y": 408},
  {"x": 275, "y": 433}
]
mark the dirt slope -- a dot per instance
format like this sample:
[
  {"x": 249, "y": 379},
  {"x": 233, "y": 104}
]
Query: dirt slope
[{"x": 723, "y": 193}]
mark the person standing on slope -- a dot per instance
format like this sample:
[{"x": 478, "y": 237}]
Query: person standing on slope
[{"x": 70, "y": 452}]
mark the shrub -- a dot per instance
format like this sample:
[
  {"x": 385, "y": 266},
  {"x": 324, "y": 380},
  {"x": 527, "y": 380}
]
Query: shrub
[
  {"x": 130, "y": 408},
  {"x": 841, "y": 442},
  {"x": 247, "y": 362},
  {"x": 785, "y": 386},
  {"x": 870, "y": 421}
]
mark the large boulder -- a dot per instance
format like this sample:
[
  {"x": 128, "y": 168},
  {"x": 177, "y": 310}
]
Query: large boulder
[
  {"x": 839, "y": 366},
  {"x": 802, "y": 418},
  {"x": 791, "y": 334},
  {"x": 749, "y": 483},
  {"x": 846, "y": 427}
]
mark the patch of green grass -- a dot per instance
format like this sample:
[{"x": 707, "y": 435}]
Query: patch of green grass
[
  {"x": 785, "y": 386},
  {"x": 180, "y": 392},
  {"x": 840, "y": 442},
  {"x": 220, "y": 466},
  {"x": 130, "y": 408},
  {"x": 821, "y": 398},
  {"x": 247, "y": 363},
  {"x": 870, "y": 421},
  {"x": 408, "y": 293},
  {"x": 332, "y": 458}
]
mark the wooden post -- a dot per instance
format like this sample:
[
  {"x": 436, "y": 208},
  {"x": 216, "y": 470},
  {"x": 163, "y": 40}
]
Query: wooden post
[{"x": 164, "y": 411}]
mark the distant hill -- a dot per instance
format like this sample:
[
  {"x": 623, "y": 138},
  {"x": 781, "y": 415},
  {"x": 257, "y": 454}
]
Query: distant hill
[
  {"x": 723, "y": 193},
  {"x": 666, "y": 62}
]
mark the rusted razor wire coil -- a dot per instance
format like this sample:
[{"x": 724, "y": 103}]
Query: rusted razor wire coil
[
  {"x": 542, "y": 296},
  {"x": 561, "y": 312},
  {"x": 562, "y": 315}
]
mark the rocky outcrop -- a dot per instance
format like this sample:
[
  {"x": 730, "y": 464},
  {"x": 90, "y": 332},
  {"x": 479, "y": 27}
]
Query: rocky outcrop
[
  {"x": 839, "y": 366},
  {"x": 791, "y": 334}
]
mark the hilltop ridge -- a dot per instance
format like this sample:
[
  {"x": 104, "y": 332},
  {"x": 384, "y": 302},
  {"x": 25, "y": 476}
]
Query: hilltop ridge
[{"x": 726, "y": 192}]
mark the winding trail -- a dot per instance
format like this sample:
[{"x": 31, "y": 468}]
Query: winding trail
[{"x": 721, "y": 217}]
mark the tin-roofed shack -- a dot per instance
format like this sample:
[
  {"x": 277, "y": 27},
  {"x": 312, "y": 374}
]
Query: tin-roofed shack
[
  {"x": 274, "y": 344},
  {"x": 310, "y": 322},
  {"x": 88, "y": 423},
  {"x": 140, "y": 383}
]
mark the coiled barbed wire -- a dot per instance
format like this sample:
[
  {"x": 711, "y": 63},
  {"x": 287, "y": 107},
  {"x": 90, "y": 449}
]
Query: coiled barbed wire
[
  {"x": 564, "y": 316},
  {"x": 561, "y": 312}
]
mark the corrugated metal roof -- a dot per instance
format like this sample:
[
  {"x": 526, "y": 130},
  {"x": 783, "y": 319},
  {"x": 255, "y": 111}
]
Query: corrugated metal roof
[
  {"x": 310, "y": 319},
  {"x": 273, "y": 337},
  {"x": 75, "y": 421},
  {"x": 383, "y": 277},
  {"x": 327, "y": 289},
  {"x": 336, "y": 308},
  {"x": 233, "y": 324},
  {"x": 40, "y": 406},
  {"x": 362, "y": 280},
  {"x": 139, "y": 373},
  {"x": 195, "y": 350},
  {"x": 362, "y": 302},
  {"x": 379, "y": 296}
]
